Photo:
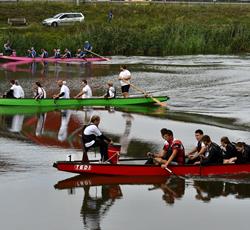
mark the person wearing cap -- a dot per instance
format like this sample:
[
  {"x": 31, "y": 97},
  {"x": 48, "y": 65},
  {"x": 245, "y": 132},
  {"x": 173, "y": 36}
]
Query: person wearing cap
[
  {"x": 64, "y": 90},
  {"x": 124, "y": 78},
  {"x": 111, "y": 92},
  {"x": 86, "y": 91},
  {"x": 87, "y": 48}
]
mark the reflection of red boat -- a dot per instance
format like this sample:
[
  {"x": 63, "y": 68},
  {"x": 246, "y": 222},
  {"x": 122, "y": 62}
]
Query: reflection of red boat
[
  {"x": 80, "y": 181},
  {"x": 60, "y": 129},
  {"x": 148, "y": 170}
]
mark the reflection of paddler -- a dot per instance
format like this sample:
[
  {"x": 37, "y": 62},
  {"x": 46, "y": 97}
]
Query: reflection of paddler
[
  {"x": 17, "y": 123},
  {"x": 40, "y": 124},
  {"x": 63, "y": 131},
  {"x": 173, "y": 189},
  {"x": 94, "y": 208},
  {"x": 124, "y": 140}
]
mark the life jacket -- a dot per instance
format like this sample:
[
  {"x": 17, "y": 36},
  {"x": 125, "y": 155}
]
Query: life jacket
[
  {"x": 108, "y": 95},
  {"x": 180, "y": 157},
  {"x": 45, "y": 54}
]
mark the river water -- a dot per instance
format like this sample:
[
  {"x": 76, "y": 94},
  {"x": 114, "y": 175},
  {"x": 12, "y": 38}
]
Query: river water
[{"x": 206, "y": 92}]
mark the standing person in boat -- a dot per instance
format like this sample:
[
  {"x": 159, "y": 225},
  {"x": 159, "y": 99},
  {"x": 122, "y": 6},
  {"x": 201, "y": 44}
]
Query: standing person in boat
[
  {"x": 213, "y": 155},
  {"x": 40, "y": 93},
  {"x": 86, "y": 91},
  {"x": 198, "y": 150},
  {"x": 67, "y": 54},
  {"x": 44, "y": 53},
  {"x": 92, "y": 137},
  {"x": 173, "y": 152},
  {"x": 87, "y": 48},
  {"x": 64, "y": 90},
  {"x": 124, "y": 78},
  {"x": 7, "y": 48},
  {"x": 228, "y": 149},
  {"x": 111, "y": 92}
]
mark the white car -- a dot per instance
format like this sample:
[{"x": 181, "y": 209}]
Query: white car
[{"x": 63, "y": 19}]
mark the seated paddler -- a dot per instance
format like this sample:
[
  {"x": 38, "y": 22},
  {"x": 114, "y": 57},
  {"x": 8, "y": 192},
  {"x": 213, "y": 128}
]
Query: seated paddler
[
  {"x": 93, "y": 137},
  {"x": 173, "y": 152}
]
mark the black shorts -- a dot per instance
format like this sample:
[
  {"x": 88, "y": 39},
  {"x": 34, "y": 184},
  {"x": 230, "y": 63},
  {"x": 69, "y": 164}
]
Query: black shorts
[{"x": 125, "y": 88}]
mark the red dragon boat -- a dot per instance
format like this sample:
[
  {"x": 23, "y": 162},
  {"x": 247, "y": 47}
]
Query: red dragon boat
[{"x": 126, "y": 169}]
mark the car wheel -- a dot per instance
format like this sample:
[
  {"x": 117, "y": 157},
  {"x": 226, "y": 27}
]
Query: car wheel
[{"x": 54, "y": 24}]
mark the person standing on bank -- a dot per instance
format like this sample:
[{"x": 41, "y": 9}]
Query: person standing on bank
[
  {"x": 93, "y": 137},
  {"x": 124, "y": 78}
]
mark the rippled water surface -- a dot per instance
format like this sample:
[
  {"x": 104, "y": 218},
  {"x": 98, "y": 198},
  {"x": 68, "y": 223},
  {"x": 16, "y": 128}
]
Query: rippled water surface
[{"x": 206, "y": 92}]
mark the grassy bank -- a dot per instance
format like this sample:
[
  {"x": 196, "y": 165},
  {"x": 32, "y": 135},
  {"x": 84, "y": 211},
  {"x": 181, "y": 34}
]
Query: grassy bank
[{"x": 137, "y": 29}]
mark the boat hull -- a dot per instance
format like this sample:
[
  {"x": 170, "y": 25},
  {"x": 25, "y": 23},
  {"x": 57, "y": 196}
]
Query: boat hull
[
  {"x": 39, "y": 59},
  {"x": 48, "y": 102},
  {"x": 148, "y": 170}
]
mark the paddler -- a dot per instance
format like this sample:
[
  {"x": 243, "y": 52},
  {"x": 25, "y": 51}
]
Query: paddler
[
  {"x": 64, "y": 90},
  {"x": 67, "y": 53},
  {"x": 111, "y": 92},
  {"x": 173, "y": 152},
  {"x": 15, "y": 91},
  {"x": 87, "y": 48},
  {"x": 86, "y": 91},
  {"x": 44, "y": 53},
  {"x": 40, "y": 93},
  {"x": 7, "y": 48},
  {"x": 32, "y": 53}
]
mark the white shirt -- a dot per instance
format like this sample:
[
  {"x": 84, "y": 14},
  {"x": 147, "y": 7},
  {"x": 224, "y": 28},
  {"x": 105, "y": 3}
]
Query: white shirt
[
  {"x": 124, "y": 75},
  {"x": 91, "y": 130},
  {"x": 41, "y": 92},
  {"x": 64, "y": 89},
  {"x": 87, "y": 92},
  {"x": 17, "y": 91},
  {"x": 111, "y": 92}
]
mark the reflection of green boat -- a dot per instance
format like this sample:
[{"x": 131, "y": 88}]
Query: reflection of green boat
[{"x": 80, "y": 102}]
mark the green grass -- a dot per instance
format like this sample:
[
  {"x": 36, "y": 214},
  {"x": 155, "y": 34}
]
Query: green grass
[{"x": 137, "y": 29}]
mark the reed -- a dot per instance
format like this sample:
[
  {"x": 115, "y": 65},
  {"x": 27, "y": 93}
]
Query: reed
[{"x": 137, "y": 29}]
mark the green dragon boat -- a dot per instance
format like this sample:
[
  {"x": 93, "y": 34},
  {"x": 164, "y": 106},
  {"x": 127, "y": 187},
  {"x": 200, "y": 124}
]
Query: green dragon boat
[{"x": 67, "y": 103}]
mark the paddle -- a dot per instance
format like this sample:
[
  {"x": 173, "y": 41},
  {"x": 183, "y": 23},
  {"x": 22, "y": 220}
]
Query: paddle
[
  {"x": 172, "y": 173},
  {"x": 147, "y": 95},
  {"x": 107, "y": 59}
]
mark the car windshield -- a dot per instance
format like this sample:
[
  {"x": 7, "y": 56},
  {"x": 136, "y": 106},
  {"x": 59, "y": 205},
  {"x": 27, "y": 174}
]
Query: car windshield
[{"x": 57, "y": 16}]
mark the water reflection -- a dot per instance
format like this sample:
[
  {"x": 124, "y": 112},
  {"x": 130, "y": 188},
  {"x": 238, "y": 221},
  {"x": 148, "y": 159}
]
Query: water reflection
[
  {"x": 101, "y": 192},
  {"x": 16, "y": 123},
  {"x": 208, "y": 190}
]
